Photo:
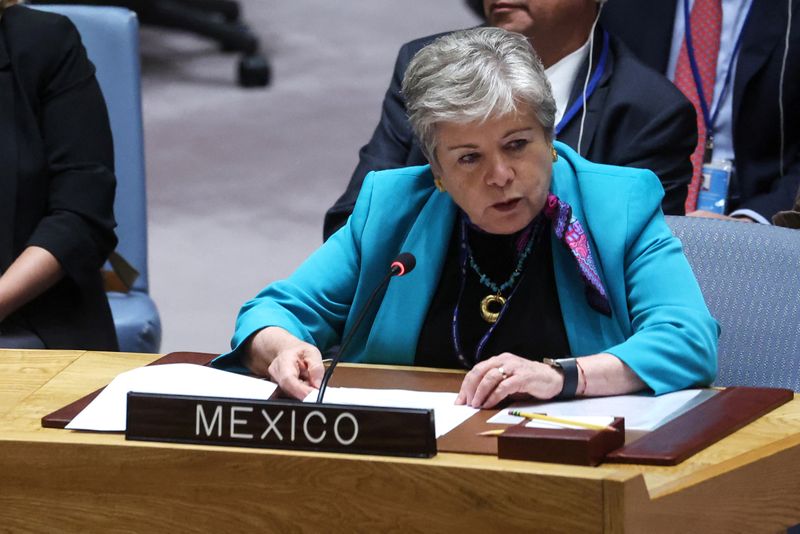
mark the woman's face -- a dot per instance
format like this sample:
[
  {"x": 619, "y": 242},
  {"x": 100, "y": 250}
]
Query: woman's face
[{"x": 497, "y": 171}]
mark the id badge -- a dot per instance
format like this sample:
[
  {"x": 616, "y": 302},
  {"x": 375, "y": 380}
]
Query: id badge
[{"x": 713, "y": 195}]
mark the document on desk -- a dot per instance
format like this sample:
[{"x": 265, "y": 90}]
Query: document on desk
[
  {"x": 107, "y": 412},
  {"x": 446, "y": 414},
  {"x": 641, "y": 412}
]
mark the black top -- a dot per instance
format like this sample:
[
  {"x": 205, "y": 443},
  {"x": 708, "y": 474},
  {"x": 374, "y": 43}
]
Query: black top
[
  {"x": 56, "y": 175},
  {"x": 531, "y": 326}
]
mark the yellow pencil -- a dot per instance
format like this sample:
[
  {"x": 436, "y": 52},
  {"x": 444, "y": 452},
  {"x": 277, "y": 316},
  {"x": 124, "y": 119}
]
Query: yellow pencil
[
  {"x": 560, "y": 421},
  {"x": 492, "y": 432}
]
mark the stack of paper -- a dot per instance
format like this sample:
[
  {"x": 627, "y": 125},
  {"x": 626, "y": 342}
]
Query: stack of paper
[
  {"x": 107, "y": 412},
  {"x": 446, "y": 413},
  {"x": 641, "y": 412}
]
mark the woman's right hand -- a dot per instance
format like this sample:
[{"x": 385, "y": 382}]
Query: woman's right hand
[{"x": 296, "y": 366}]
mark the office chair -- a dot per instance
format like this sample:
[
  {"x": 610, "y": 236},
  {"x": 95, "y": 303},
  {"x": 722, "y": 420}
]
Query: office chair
[
  {"x": 219, "y": 20},
  {"x": 750, "y": 277},
  {"x": 111, "y": 38}
]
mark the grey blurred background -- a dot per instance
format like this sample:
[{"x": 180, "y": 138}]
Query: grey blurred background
[{"x": 239, "y": 179}]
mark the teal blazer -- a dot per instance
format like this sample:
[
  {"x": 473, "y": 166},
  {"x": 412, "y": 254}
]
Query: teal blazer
[{"x": 659, "y": 325}]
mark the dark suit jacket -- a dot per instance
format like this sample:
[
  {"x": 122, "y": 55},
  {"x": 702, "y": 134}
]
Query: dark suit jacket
[
  {"x": 56, "y": 174},
  {"x": 634, "y": 118},
  {"x": 647, "y": 28}
]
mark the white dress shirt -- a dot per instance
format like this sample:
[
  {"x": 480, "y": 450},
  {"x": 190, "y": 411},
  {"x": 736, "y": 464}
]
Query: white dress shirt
[{"x": 562, "y": 76}]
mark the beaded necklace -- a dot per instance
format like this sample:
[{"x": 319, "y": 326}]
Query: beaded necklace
[
  {"x": 493, "y": 303},
  {"x": 524, "y": 246}
]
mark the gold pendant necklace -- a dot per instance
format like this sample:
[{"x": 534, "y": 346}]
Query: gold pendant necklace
[
  {"x": 487, "y": 304},
  {"x": 492, "y": 304}
]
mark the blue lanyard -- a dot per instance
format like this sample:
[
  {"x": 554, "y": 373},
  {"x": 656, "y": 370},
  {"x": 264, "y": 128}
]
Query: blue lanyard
[
  {"x": 709, "y": 118},
  {"x": 598, "y": 73}
]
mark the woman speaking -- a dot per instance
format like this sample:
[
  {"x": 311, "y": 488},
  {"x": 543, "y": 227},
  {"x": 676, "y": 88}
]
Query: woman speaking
[{"x": 541, "y": 273}]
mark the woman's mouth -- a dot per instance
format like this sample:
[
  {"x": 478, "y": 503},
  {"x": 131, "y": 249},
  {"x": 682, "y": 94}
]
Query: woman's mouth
[
  {"x": 506, "y": 206},
  {"x": 503, "y": 7}
]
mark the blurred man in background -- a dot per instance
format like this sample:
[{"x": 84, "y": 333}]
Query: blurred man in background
[
  {"x": 632, "y": 115},
  {"x": 743, "y": 54}
]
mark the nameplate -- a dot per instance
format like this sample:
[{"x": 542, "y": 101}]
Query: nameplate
[{"x": 280, "y": 424}]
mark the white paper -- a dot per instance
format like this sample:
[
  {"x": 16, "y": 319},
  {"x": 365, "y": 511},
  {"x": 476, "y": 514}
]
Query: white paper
[
  {"x": 641, "y": 412},
  {"x": 446, "y": 414},
  {"x": 588, "y": 419},
  {"x": 107, "y": 412}
]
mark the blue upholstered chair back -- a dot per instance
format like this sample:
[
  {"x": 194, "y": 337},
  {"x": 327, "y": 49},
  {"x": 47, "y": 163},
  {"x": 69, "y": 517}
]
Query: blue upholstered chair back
[
  {"x": 111, "y": 38},
  {"x": 750, "y": 277}
]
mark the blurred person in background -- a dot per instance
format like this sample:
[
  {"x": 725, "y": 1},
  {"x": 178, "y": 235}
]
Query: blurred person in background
[
  {"x": 633, "y": 115},
  {"x": 744, "y": 55},
  {"x": 56, "y": 187}
]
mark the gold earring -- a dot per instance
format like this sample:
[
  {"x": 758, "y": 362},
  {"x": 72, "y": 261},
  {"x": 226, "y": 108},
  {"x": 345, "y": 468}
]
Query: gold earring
[
  {"x": 438, "y": 183},
  {"x": 555, "y": 154}
]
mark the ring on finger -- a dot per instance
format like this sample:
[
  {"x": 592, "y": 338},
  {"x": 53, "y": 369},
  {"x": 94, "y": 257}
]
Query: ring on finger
[{"x": 502, "y": 372}]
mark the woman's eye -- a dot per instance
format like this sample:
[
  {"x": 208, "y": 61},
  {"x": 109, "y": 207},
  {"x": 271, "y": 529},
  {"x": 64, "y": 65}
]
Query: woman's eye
[
  {"x": 517, "y": 144},
  {"x": 467, "y": 159}
]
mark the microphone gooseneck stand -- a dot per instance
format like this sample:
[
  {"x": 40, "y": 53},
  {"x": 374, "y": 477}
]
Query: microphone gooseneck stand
[{"x": 403, "y": 264}]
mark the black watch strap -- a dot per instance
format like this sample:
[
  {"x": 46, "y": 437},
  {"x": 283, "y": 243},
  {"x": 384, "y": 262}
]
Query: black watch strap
[{"x": 569, "y": 366}]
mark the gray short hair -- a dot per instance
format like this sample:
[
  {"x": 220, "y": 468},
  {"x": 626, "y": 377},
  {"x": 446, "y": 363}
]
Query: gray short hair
[{"x": 472, "y": 75}]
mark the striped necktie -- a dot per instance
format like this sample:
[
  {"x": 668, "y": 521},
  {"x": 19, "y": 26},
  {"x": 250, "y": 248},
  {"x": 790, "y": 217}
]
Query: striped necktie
[{"x": 706, "y": 24}]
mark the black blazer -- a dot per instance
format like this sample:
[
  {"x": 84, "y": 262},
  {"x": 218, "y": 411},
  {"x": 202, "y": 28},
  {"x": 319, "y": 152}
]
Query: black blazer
[
  {"x": 635, "y": 118},
  {"x": 56, "y": 174},
  {"x": 647, "y": 28}
]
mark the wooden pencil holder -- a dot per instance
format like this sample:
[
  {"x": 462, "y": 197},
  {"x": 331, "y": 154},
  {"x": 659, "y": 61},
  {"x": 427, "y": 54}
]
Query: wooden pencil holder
[{"x": 560, "y": 445}]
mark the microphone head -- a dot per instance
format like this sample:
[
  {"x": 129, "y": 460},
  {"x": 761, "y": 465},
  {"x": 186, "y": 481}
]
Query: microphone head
[{"x": 404, "y": 263}]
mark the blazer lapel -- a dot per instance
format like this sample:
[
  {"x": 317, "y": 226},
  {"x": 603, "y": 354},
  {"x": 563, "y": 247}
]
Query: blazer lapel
[
  {"x": 588, "y": 330},
  {"x": 594, "y": 104},
  {"x": 8, "y": 157},
  {"x": 399, "y": 319}
]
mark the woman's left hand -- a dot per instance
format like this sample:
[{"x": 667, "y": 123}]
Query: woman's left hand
[{"x": 492, "y": 380}]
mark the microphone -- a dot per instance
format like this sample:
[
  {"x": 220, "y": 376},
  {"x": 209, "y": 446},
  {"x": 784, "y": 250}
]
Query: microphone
[{"x": 403, "y": 264}]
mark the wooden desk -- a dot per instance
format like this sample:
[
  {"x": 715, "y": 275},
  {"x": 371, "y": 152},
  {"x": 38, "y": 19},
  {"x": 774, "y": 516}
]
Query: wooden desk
[{"x": 61, "y": 481}]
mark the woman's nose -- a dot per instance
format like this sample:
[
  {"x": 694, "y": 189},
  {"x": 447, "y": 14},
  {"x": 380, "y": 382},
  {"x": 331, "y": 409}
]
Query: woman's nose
[{"x": 500, "y": 174}]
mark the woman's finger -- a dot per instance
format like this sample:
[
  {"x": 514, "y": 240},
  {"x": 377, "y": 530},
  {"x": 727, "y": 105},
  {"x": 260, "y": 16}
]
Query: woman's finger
[
  {"x": 505, "y": 389},
  {"x": 312, "y": 369},
  {"x": 285, "y": 371},
  {"x": 468, "y": 385},
  {"x": 492, "y": 379},
  {"x": 474, "y": 377}
]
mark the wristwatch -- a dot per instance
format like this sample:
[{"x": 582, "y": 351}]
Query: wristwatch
[{"x": 569, "y": 368}]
